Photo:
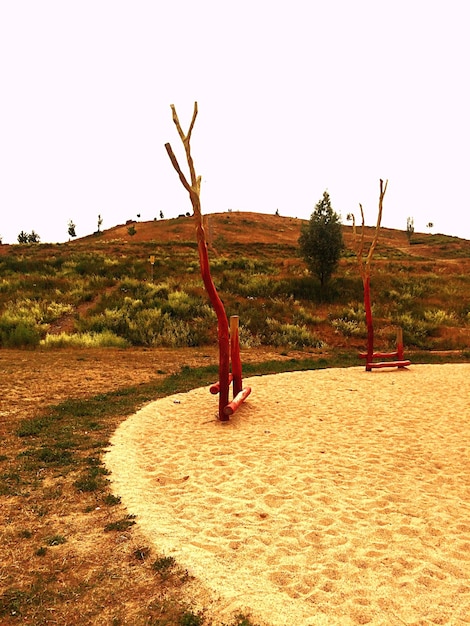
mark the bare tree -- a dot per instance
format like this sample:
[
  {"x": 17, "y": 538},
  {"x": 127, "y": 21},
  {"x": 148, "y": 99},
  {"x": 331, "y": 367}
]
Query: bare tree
[
  {"x": 364, "y": 266},
  {"x": 193, "y": 187}
]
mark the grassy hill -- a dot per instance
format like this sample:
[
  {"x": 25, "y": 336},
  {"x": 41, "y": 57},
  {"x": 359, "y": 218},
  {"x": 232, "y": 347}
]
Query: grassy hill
[{"x": 103, "y": 288}]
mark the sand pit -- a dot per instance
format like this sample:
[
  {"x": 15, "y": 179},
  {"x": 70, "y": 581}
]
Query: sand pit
[{"x": 335, "y": 496}]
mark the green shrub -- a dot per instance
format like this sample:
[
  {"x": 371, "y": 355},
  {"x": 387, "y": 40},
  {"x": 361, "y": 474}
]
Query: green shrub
[
  {"x": 438, "y": 317},
  {"x": 302, "y": 316},
  {"x": 349, "y": 328},
  {"x": 34, "y": 313},
  {"x": 18, "y": 334},
  {"x": 241, "y": 263},
  {"x": 301, "y": 288},
  {"x": 289, "y": 335},
  {"x": 251, "y": 286},
  {"x": 350, "y": 321},
  {"x": 191, "y": 619},
  {"x": 163, "y": 565},
  {"x": 353, "y": 312},
  {"x": 247, "y": 339},
  {"x": 150, "y": 327},
  {"x": 186, "y": 307},
  {"x": 105, "y": 339},
  {"x": 55, "y": 540},
  {"x": 415, "y": 331}
]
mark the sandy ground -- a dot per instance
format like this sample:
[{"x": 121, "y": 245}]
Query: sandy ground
[{"x": 335, "y": 496}]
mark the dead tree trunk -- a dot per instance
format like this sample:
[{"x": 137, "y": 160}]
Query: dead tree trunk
[
  {"x": 194, "y": 188},
  {"x": 364, "y": 268}
]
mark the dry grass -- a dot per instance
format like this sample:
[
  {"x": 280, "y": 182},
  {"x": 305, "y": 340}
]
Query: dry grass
[{"x": 69, "y": 551}]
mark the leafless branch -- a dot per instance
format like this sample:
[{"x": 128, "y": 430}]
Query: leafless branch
[
  {"x": 364, "y": 268},
  {"x": 193, "y": 188},
  {"x": 383, "y": 189},
  {"x": 186, "y": 139}
]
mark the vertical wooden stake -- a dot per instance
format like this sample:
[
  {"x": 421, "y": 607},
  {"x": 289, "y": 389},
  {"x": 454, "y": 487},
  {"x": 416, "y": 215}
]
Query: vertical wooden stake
[
  {"x": 369, "y": 322},
  {"x": 400, "y": 349},
  {"x": 235, "y": 355}
]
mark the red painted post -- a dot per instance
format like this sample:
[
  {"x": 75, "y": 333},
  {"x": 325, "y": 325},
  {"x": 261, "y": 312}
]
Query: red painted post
[
  {"x": 222, "y": 323},
  {"x": 369, "y": 321},
  {"x": 400, "y": 349},
  {"x": 235, "y": 355}
]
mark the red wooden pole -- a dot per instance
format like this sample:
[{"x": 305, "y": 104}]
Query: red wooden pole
[
  {"x": 222, "y": 323},
  {"x": 235, "y": 355},
  {"x": 369, "y": 322},
  {"x": 400, "y": 349}
]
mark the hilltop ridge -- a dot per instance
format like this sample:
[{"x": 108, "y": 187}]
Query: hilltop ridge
[{"x": 250, "y": 228}]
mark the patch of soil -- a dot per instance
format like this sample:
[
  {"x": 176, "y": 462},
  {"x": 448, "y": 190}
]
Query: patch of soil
[{"x": 31, "y": 380}]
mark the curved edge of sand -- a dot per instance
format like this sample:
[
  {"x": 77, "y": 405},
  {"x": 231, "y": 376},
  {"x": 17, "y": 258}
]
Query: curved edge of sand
[{"x": 333, "y": 496}]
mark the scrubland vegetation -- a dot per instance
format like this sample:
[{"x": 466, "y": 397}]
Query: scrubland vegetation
[{"x": 101, "y": 293}]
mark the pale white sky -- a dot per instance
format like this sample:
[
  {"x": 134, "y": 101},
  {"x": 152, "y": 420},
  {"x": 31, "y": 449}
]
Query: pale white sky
[{"x": 294, "y": 97}]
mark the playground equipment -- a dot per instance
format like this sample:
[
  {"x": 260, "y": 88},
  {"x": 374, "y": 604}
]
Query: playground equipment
[
  {"x": 240, "y": 394},
  {"x": 228, "y": 342},
  {"x": 364, "y": 268},
  {"x": 398, "y": 355}
]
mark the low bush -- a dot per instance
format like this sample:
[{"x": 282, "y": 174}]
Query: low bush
[
  {"x": 302, "y": 316},
  {"x": 438, "y": 317},
  {"x": 349, "y": 328},
  {"x": 150, "y": 327},
  {"x": 105, "y": 339},
  {"x": 247, "y": 339},
  {"x": 416, "y": 331},
  {"x": 18, "y": 334},
  {"x": 352, "y": 312},
  {"x": 251, "y": 286},
  {"x": 289, "y": 335}
]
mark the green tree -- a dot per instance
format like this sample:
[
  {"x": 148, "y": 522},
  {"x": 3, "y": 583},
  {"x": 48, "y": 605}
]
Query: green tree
[
  {"x": 321, "y": 241},
  {"x": 31, "y": 237},
  {"x": 71, "y": 229},
  {"x": 410, "y": 228}
]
